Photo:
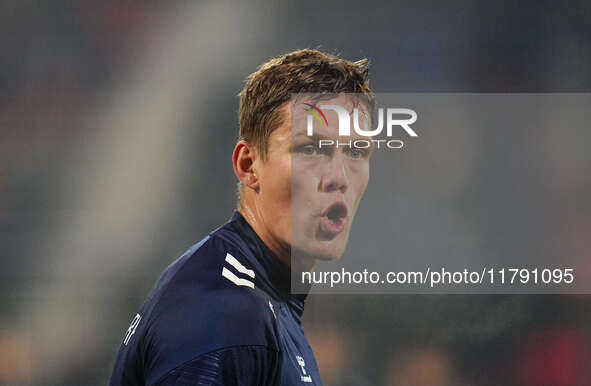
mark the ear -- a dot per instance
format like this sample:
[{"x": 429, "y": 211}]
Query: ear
[{"x": 243, "y": 160}]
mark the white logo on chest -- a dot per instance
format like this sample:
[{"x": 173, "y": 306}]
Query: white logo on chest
[{"x": 305, "y": 377}]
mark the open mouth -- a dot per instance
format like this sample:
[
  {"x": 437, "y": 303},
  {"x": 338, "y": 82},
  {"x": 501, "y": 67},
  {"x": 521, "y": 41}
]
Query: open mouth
[
  {"x": 336, "y": 212},
  {"x": 333, "y": 219}
]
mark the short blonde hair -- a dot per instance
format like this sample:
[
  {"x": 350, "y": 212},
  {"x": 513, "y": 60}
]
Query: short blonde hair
[{"x": 274, "y": 83}]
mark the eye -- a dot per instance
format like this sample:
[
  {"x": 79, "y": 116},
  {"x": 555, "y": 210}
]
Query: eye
[
  {"x": 308, "y": 149},
  {"x": 356, "y": 153}
]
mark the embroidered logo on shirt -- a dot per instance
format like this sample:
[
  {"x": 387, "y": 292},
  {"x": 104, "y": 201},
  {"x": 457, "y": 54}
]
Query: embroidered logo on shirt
[
  {"x": 305, "y": 378},
  {"x": 241, "y": 269}
]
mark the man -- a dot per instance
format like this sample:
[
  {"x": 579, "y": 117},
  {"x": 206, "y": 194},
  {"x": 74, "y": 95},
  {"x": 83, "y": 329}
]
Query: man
[{"x": 223, "y": 313}]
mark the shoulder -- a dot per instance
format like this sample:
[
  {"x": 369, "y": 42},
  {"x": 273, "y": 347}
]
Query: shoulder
[{"x": 203, "y": 303}]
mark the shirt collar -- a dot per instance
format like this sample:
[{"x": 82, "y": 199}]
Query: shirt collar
[{"x": 275, "y": 274}]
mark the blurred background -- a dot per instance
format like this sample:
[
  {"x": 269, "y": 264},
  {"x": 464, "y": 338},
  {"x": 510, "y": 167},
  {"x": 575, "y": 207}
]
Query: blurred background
[{"x": 113, "y": 113}]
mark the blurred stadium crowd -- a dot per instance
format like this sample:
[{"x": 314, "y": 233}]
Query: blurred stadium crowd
[{"x": 117, "y": 120}]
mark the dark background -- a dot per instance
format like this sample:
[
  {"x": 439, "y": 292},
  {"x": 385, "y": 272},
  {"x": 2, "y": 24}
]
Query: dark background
[{"x": 117, "y": 121}]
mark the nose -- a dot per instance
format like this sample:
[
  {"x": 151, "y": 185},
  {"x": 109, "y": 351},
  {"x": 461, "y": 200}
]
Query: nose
[{"x": 335, "y": 176}]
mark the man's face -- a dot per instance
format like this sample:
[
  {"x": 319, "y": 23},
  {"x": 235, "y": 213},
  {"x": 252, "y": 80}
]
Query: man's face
[{"x": 309, "y": 193}]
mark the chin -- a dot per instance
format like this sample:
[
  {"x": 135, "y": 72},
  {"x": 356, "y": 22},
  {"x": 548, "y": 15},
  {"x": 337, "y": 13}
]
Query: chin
[
  {"x": 326, "y": 251},
  {"x": 318, "y": 252},
  {"x": 312, "y": 245},
  {"x": 329, "y": 256}
]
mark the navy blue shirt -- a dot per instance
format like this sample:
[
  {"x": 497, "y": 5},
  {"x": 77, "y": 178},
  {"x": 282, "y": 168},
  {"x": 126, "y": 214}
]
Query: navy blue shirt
[{"x": 221, "y": 314}]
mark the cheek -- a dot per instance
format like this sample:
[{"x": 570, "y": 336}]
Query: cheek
[
  {"x": 277, "y": 186},
  {"x": 306, "y": 175},
  {"x": 304, "y": 189},
  {"x": 359, "y": 183}
]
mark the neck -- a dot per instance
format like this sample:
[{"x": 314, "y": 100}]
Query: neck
[{"x": 281, "y": 250}]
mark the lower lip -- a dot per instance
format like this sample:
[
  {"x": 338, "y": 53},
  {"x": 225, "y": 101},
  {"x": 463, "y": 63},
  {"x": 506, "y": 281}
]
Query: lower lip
[{"x": 332, "y": 227}]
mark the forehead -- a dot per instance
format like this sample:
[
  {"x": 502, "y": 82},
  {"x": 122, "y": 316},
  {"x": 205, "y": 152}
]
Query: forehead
[{"x": 301, "y": 107}]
